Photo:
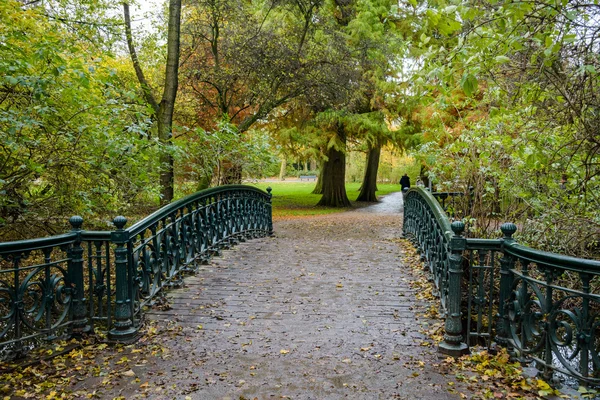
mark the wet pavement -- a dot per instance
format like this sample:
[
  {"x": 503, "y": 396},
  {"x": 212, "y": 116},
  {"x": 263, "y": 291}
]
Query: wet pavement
[
  {"x": 393, "y": 203},
  {"x": 322, "y": 310}
]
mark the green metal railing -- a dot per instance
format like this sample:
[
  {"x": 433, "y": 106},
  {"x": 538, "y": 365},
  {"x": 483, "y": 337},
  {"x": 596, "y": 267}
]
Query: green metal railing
[
  {"x": 66, "y": 285},
  {"x": 539, "y": 305}
]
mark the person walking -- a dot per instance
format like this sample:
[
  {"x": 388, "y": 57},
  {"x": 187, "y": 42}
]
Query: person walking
[{"x": 404, "y": 182}]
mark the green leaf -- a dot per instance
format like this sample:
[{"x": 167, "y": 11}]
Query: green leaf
[
  {"x": 469, "y": 84},
  {"x": 502, "y": 59},
  {"x": 450, "y": 9}
]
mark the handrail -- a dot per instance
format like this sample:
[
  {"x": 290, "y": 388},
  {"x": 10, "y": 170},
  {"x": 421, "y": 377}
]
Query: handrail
[
  {"x": 552, "y": 259},
  {"x": 37, "y": 243},
  {"x": 60, "y": 286},
  {"x": 439, "y": 213},
  {"x": 518, "y": 300},
  {"x": 170, "y": 208},
  {"x": 484, "y": 244}
]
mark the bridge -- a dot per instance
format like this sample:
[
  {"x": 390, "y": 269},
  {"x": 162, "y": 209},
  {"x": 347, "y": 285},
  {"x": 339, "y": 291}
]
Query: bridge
[{"x": 322, "y": 307}]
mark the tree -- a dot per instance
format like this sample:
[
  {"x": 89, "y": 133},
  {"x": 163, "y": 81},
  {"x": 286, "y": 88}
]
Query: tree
[
  {"x": 333, "y": 179},
  {"x": 375, "y": 46},
  {"x": 514, "y": 87},
  {"x": 369, "y": 183},
  {"x": 163, "y": 111},
  {"x": 247, "y": 60},
  {"x": 72, "y": 135}
]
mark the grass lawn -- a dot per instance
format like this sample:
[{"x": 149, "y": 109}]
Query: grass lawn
[{"x": 293, "y": 198}]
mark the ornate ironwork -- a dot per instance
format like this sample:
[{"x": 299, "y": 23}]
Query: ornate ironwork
[
  {"x": 65, "y": 285},
  {"x": 441, "y": 246},
  {"x": 542, "y": 307},
  {"x": 155, "y": 251}
]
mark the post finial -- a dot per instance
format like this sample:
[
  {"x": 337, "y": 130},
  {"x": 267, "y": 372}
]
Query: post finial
[
  {"x": 508, "y": 229},
  {"x": 458, "y": 227},
  {"x": 76, "y": 222},
  {"x": 120, "y": 222}
]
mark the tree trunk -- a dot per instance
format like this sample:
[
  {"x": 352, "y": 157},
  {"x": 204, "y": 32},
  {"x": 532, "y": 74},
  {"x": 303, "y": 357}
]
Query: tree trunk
[
  {"x": 319, "y": 185},
  {"x": 369, "y": 184},
  {"x": 167, "y": 175},
  {"x": 283, "y": 168},
  {"x": 164, "y": 110},
  {"x": 334, "y": 177},
  {"x": 167, "y": 104},
  {"x": 231, "y": 173},
  {"x": 313, "y": 164}
]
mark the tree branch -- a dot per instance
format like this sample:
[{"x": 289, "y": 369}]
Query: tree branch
[{"x": 146, "y": 89}]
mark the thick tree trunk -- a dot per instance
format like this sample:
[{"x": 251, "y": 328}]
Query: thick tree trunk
[
  {"x": 369, "y": 184},
  {"x": 319, "y": 185},
  {"x": 283, "y": 168},
  {"x": 313, "y": 164},
  {"x": 334, "y": 177}
]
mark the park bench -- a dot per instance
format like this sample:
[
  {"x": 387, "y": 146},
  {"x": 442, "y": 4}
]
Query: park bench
[{"x": 308, "y": 177}]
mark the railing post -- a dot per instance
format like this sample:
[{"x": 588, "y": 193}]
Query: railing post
[
  {"x": 584, "y": 337},
  {"x": 270, "y": 211},
  {"x": 506, "y": 264},
  {"x": 453, "y": 344},
  {"x": 124, "y": 329},
  {"x": 75, "y": 271}
]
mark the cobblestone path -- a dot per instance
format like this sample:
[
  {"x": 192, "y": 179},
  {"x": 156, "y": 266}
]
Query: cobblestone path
[{"x": 322, "y": 310}]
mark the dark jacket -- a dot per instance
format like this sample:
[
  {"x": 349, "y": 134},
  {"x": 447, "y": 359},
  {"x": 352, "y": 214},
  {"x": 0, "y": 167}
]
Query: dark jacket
[{"x": 405, "y": 181}]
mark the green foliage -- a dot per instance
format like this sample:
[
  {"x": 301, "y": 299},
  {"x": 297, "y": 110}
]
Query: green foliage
[
  {"x": 205, "y": 155},
  {"x": 72, "y": 141},
  {"x": 508, "y": 108}
]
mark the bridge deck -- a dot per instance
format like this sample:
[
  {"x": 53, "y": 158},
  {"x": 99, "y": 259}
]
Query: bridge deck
[{"x": 322, "y": 310}]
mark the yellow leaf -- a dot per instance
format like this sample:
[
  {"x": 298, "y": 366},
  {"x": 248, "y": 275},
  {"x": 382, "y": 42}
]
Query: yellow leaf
[
  {"x": 282, "y": 351},
  {"x": 542, "y": 385},
  {"x": 365, "y": 348}
]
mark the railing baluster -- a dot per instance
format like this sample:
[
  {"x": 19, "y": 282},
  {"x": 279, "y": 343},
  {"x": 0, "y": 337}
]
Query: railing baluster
[
  {"x": 124, "y": 329},
  {"x": 154, "y": 253},
  {"x": 584, "y": 337},
  {"x": 453, "y": 344},
  {"x": 507, "y": 263},
  {"x": 18, "y": 306},
  {"x": 79, "y": 314}
]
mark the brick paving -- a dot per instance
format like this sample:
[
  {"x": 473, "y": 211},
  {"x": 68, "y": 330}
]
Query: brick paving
[{"x": 321, "y": 310}]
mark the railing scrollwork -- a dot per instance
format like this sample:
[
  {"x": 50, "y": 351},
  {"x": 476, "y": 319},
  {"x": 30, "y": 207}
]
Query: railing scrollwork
[
  {"x": 65, "y": 285},
  {"x": 539, "y": 305}
]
